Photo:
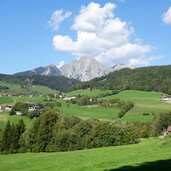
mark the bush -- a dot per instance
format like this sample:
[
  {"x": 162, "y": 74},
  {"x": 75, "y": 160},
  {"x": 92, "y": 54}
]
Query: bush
[{"x": 12, "y": 112}]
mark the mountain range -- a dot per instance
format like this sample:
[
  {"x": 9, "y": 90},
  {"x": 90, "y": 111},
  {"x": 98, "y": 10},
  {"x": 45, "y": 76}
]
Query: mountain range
[{"x": 82, "y": 69}]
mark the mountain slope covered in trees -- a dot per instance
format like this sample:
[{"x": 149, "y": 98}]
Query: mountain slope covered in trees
[
  {"x": 154, "y": 78},
  {"x": 53, "y": 82}
]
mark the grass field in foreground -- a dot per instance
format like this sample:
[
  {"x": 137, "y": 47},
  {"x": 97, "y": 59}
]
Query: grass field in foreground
[
  {"x": 4, "y": 117},
  {"x": 110, "y": 158}
]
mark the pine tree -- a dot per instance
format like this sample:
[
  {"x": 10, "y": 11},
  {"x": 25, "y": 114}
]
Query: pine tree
[{"x": 6, "y": 138}]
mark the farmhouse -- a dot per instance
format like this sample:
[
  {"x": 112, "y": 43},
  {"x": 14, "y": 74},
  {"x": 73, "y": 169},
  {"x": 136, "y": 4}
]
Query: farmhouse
[
  {"x": 34, "y": 107},
  {"x": 166, "y": 97},
  {"x": 8, "y": 107}
]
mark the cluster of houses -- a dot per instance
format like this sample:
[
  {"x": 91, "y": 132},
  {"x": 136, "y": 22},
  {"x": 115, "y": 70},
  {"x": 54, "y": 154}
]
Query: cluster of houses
[
  {"x": 1, "y": 95},
  {"x": 31, "y": 107}
]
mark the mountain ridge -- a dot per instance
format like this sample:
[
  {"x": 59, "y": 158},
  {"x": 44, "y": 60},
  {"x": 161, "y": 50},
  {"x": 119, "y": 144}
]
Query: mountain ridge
[{"x": 82, "y": 69}]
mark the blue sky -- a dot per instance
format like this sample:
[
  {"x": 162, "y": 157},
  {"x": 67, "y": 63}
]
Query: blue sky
[{"x": 26, "y": 37}]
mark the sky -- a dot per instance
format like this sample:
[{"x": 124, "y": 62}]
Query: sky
[{"x": 37, "y": 33}]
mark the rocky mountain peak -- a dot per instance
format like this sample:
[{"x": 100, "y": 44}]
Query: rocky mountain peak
[{"x": 84, "y": 69}]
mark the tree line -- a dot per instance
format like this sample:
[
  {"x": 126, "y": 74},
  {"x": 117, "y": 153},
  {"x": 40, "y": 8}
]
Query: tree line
[{"x": 53, "y": 132}]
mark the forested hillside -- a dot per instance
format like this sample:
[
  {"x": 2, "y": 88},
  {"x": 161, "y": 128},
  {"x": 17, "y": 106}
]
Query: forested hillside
[
  {"x": 53, "y": 82},
  {"x": 155, "y": 78}
]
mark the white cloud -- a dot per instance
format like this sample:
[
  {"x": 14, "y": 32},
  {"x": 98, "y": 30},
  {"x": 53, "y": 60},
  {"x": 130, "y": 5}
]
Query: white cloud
[
  {"x": 102, "y": 35},
  {"x": 57, "y": 17},
  {"x": 60, "y": 64},
  {"x": 167, "y": 17}
]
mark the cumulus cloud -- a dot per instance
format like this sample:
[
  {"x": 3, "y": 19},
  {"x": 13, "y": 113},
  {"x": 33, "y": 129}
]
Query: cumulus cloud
[
  {"x": 60, "y": 64},
  {"x": 167, "y": 17},
  {"x": 57, "y": 17},
  {"x": 102, "y": 35}
]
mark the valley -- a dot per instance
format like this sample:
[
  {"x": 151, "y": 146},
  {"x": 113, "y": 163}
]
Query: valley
[
  {"x": 146, "y": 106},
  {"x": 85, "y": 86}
]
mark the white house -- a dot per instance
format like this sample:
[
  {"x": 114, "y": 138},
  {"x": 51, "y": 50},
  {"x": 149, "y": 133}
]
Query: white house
[
  {"x": 34, "y": 107},
  {"x": 8, "y": 107}
]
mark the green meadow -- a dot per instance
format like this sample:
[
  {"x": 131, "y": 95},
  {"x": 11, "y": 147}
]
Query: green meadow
[
  {"x": 28, "y": 99},
  {"x": 6, "y": 100},
  {"x": 145, "y": 103},
  {"x": 149, "y": 155},
  {"x": 93, "y": 112},
  {"x": 21, "y": 89},
  {"x": 92, "y": 93},
  {"x": 4, "y": 117}
]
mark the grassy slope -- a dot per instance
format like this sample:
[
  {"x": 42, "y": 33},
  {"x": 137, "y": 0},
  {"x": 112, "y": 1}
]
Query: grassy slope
[
  {"x": 18, "y": 89},
  {"x": 4, "y": 117},
  {"x": 86, "y": 160},
  {"x": 92, "y": 93},
  {"x": 145, "y": 102},
  {"x": 89, "y": 112},
  {"x": 27, "y": 99},
  {"x": 6, "y": 100}
]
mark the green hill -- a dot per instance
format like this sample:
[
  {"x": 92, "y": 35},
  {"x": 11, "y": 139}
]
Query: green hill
[
  {"x": 149, "y": 155},
  {"x": 145, "y": 105},
  {"x": 18, "y": 89},
  {"x": 154, "y": 78},
  {"x": 53, "y": 82}
]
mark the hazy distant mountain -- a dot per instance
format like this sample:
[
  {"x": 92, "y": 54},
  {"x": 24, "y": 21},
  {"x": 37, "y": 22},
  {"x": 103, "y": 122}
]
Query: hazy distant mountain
[
  {"x": 50, "y": 70},
  {"x": 84, "y": 69}
]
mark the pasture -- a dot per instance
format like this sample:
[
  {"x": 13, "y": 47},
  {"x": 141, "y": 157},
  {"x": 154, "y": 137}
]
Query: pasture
[
  {"x": 152, "y": 154},
  {"x": 146, "y": 104},
  {"x": 85, "y": 112},
  {"x": 92, "y": 93}
]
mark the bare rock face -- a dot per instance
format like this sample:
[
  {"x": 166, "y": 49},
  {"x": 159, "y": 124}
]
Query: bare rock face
[
  {"x": 50, "y": 70},
  {"x": 84, "y": 69}
]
